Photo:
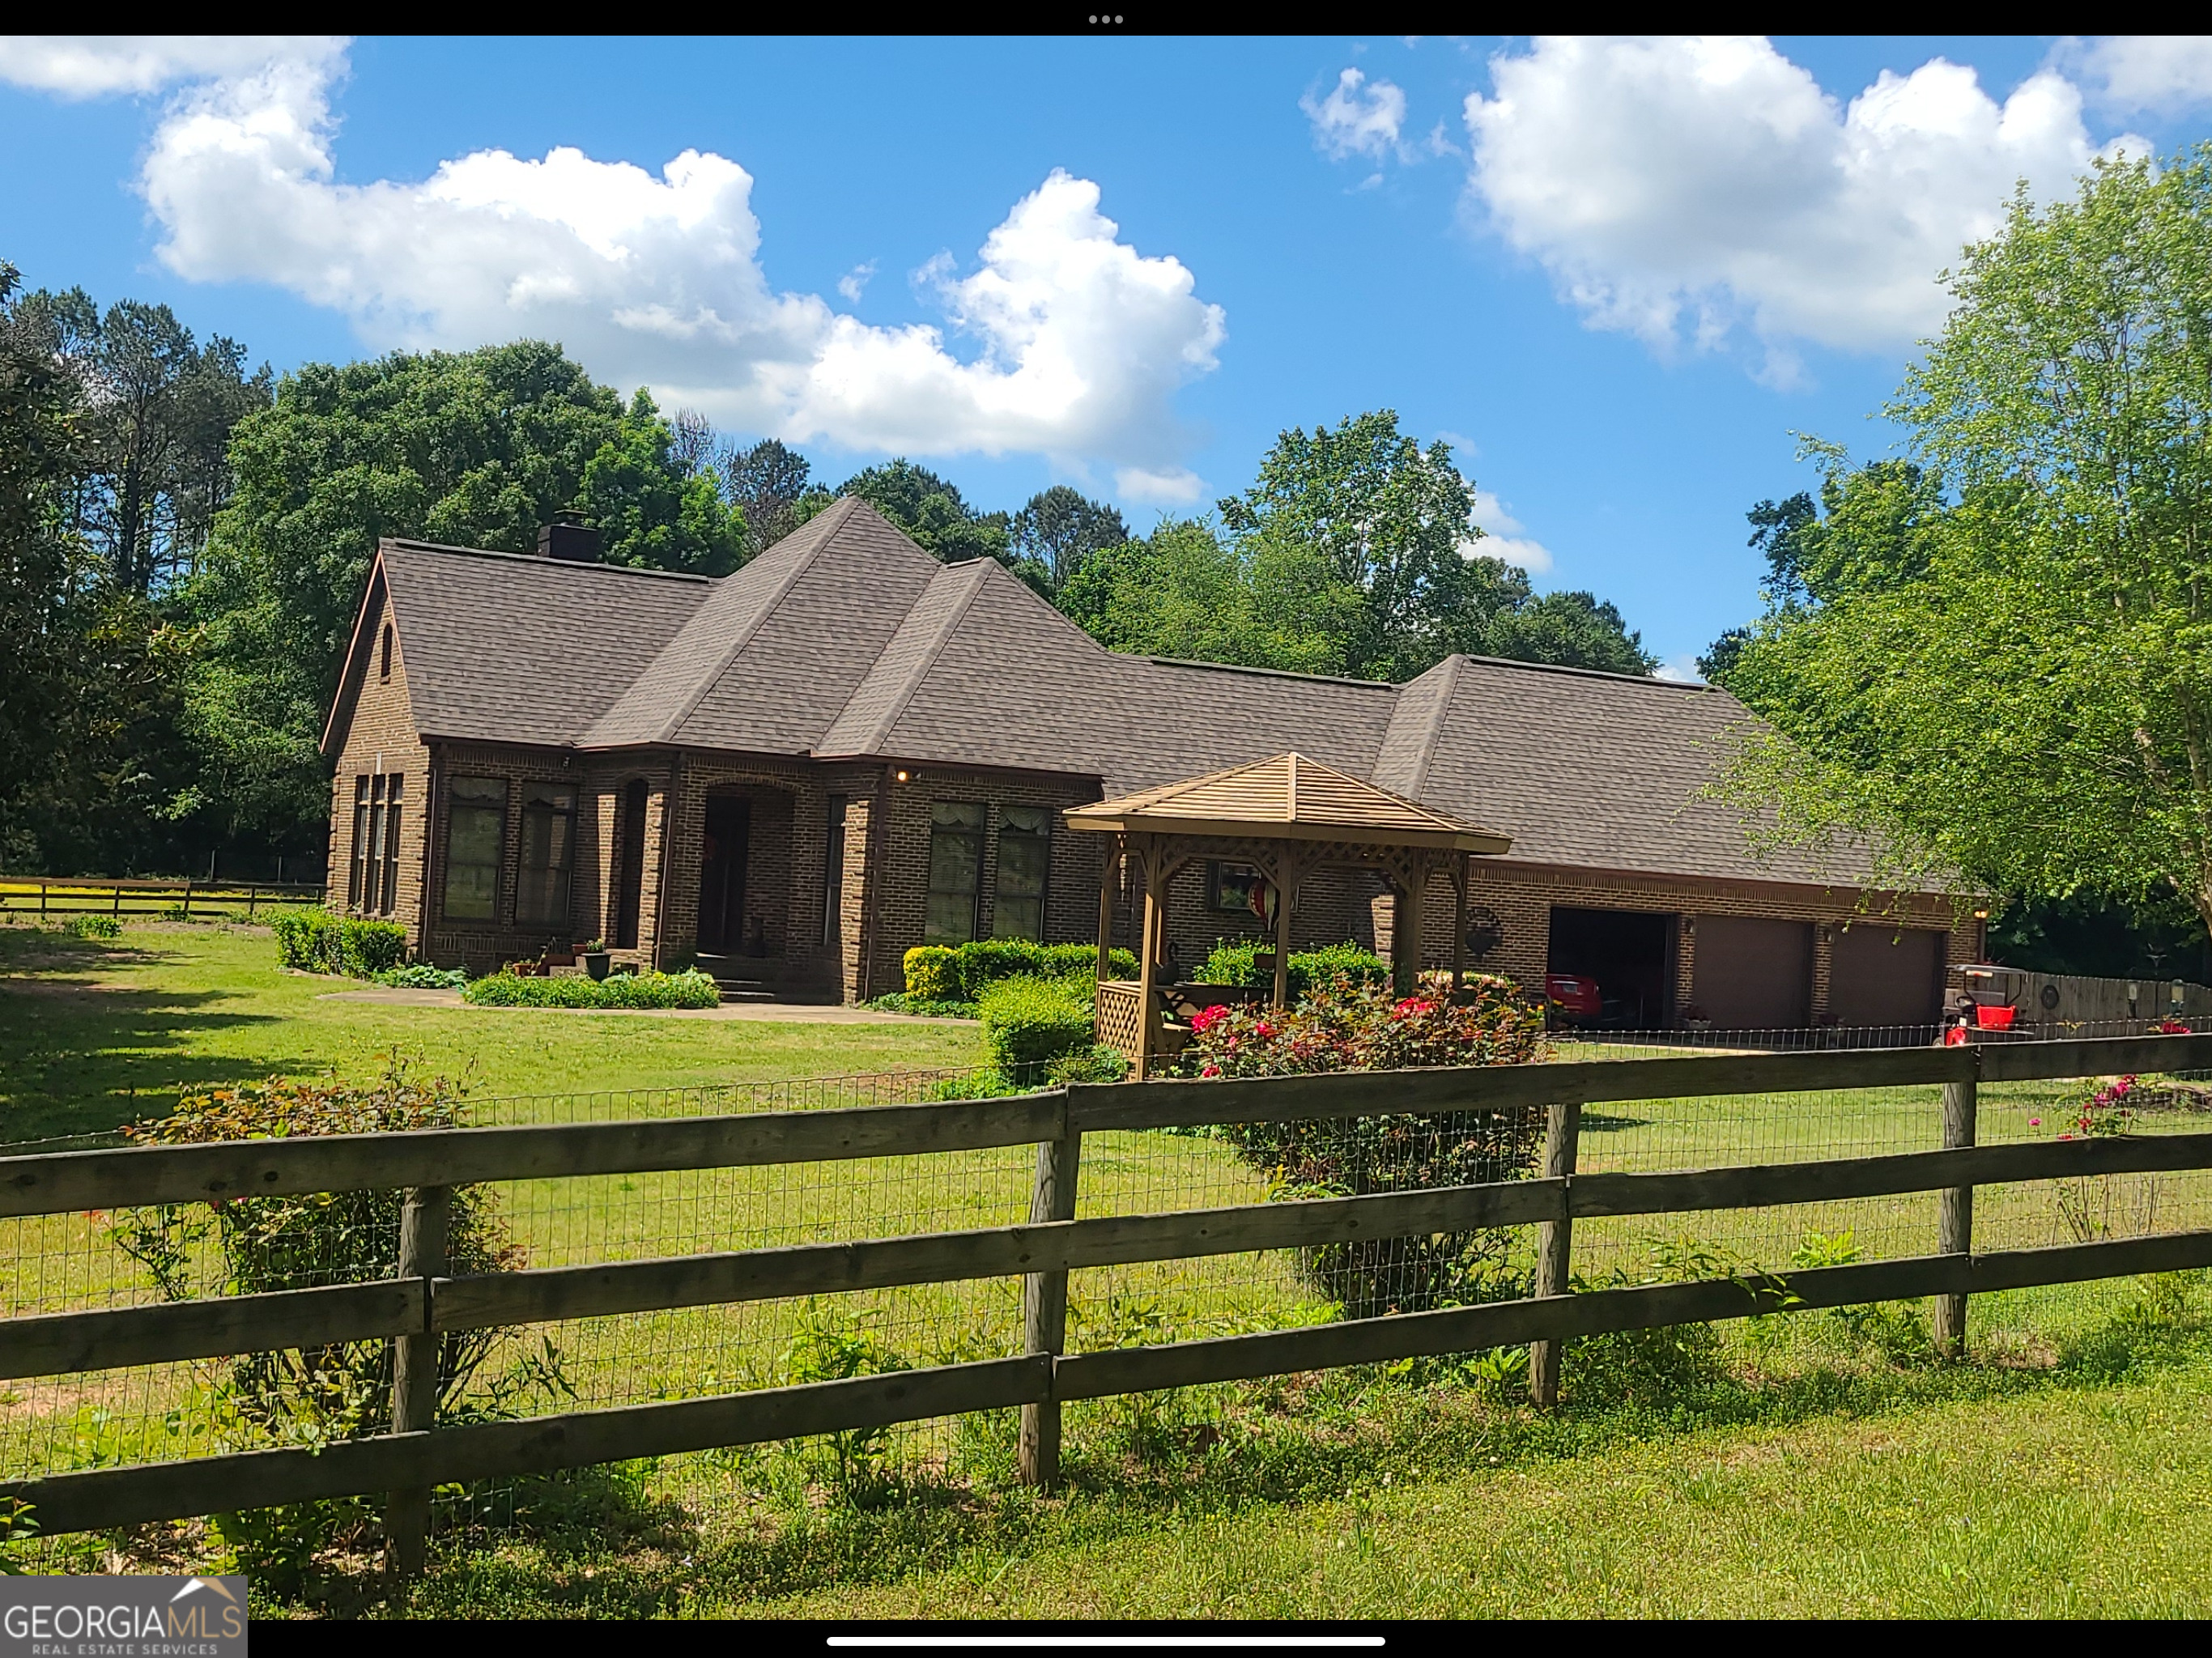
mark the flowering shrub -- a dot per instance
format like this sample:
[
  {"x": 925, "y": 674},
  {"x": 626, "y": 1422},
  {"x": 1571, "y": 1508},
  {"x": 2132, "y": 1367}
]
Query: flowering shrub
[
  {"x": 2086, "y": 1205},
  {"x": 1349, "y": 1026},
  {"x": 341, "y": 1390}
]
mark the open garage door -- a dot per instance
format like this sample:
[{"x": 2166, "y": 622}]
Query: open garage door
[
  {"x": 1627, "y": 952},
  {"x": 1753, "y": 975},
  {"x": 1880, "y": 975}
]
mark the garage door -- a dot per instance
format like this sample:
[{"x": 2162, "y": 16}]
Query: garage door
[
  {"x": 1880, "y": 975},
  {"x": 1753, "y": 976}
]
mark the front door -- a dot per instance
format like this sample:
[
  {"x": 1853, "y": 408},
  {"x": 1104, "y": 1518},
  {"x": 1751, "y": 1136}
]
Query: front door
[{"x": 722, "y": 874}]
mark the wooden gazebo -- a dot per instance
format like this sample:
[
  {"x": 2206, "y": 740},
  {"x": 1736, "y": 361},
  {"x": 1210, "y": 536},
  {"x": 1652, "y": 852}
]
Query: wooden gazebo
[{"x": 1285, "y": 816}]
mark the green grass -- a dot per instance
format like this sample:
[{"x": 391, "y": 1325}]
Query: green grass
[
  {"x": 93, "y": 1034},
  {"x": 1813, "y": 1480},
  {"x": 1822, "y": 1468}
]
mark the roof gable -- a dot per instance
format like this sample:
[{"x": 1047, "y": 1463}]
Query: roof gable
[{"x": 1286, "y": 796}]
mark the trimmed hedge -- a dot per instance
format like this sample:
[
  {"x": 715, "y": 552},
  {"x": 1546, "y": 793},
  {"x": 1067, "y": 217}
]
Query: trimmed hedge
[
  {"x": 690, "y": 988},
  {"x": 943, "y": 973},
  {"x": 319, "y": 942},
  {"x": 1231, "y": 964},
  {"x": 1032, "y": 1022}
]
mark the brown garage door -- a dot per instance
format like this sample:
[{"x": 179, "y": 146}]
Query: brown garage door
[
  {"x": 1881, "y": 976},
  {"x": 1751, "y": 974}
]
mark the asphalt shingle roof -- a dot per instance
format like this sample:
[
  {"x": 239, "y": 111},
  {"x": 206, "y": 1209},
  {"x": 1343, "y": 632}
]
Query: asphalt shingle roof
[{"x": 847, "y": 640}]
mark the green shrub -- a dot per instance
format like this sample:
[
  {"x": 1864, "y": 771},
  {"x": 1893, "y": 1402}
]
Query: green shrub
[
  {"x": 987, "y": 961},
  {"x": 1030, "y": 1022},
  {"x": 1231, "y": 963},
  {"x": 930, "y": 976},
  {"x": 690, "y": 988},
  {"x": 339, "y": 1390},
  {"x": 366, "y": 948},
  {"x": 93, "y": 926},
  {"x": 422, "y": 976},
  {"x": 1343, "y": 1025},
  {"x": 307, "y": 938},
  {"x": 920, "y": 1006},
  {"x": 1101, "y": 1064}
]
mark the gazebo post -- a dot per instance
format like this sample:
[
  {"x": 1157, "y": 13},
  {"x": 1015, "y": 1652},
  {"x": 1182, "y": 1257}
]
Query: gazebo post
[
  {"x": 1286, "y": 884},
  {"x": 1406, "y": 931},
  {"x": 1106, "y": 883},
  {"x": 1459, "y": 925},
  {"x": 1148, "y": 960}
]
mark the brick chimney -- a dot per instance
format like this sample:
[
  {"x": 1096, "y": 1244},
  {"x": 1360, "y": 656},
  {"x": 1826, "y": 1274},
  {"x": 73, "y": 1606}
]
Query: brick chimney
[{"x": 568, "y": 537}]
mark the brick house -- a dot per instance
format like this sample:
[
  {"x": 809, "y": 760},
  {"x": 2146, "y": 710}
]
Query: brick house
[{"x": 798, "y": 772}]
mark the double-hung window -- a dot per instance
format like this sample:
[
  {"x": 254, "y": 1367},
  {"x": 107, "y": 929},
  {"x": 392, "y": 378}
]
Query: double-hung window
[
  {"x": 1025, "y": 856},
  {"x": 549, "y": 855},
  {"x": 956, "y": 866},
  {"x": 476, "y": 837},
  {"x": 372, "y": 883}
]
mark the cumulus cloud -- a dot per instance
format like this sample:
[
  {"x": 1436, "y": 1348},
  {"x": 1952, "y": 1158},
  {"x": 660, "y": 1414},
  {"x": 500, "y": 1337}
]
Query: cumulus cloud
[
  {"x": 100, "y": 65},
  {"x": 2156, "y": 72},
  {"x": 1073, "y": 343},
  {"x": 1504, "y": 535},
  {"x": 854, "y": 282},
  {"x": 1357, "y": 118},
  {"x": 1683, "y": 190},
  {"x": 1682, "y": 668}
]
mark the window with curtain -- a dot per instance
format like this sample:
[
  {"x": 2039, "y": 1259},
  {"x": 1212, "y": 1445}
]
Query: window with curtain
[
  {"x": 548, "y": 852},
  {"x": 1025, "y": 856},
  {"x": 956, "y": 864},
  {"x": 476, "y": 835},
  {"x": 357, "y": 874}
]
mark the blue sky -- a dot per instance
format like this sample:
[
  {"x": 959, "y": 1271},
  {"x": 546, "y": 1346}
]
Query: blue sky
[{"x": 1615, "y": 275}]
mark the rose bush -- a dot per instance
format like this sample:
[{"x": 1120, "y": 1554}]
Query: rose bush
[{"x": 1348, "y": 1025}]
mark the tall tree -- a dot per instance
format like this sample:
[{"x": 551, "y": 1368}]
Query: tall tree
[
  {"x": 477, "y": 449},
  {"x": 768, "y": 481},
  {"x": 932, "y": 510},
  {"x": 2029, "y": 698},
  {"x": 1570, "y": 630},
  {"x": 157, "y": 412},
  {"x": 1061, "y": 527}
]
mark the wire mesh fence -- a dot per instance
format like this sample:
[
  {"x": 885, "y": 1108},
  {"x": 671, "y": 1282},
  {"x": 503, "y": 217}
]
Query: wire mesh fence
[{"x": 158, "y": 1413}]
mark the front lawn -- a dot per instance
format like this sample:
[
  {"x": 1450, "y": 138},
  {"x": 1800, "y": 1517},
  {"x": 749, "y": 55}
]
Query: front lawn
[{"x": 93, "y": 1034}]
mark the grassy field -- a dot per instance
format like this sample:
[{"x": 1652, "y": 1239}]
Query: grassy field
[
  {"x": 1807, "y": 1465},
  {"x": 1834, "y": 1484},
  {"x": 93, "y": 1034}
]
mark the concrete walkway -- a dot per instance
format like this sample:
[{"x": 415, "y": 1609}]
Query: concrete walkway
[{"x": 773, "y": 1012}]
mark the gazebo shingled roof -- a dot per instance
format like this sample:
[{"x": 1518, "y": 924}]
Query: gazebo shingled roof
[
  {"x": 1287, "y": 814},
  {"x": 1287, "y": 797}
]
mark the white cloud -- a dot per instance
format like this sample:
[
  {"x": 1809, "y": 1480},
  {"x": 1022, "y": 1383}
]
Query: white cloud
[
  {"x": 1682, "y": 190},
  {"x": 1682, "y": 670},
  {"x": 1503, "y": 538},
  {"x": 854, "y": 282},
  {"x": 1357, "y": 118},
  {"x": 2161, "y": 72},
  {"x": 1172, "y": 486},
  {"x": 100, "y": 65},
  {"x": 1075, "y": 343}
]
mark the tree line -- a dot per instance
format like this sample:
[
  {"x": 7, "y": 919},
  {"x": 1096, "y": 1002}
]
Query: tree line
[{"x": 183, "y": 543}]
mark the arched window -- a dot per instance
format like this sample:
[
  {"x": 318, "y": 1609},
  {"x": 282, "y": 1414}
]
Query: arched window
[{"x": 383, "y": 660}]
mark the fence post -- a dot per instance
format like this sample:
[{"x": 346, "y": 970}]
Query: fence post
[
  {"x": 1954, "y": 1222},
  {"x": 188, "y": 897},
  {"x": 1554, "y": 1246},
  {"x": 1044, "y": 1308},
  {"x": 423, "y": 1225},
  {"x": 251, "y": 893},
  {"x": 119, "y": 903}
]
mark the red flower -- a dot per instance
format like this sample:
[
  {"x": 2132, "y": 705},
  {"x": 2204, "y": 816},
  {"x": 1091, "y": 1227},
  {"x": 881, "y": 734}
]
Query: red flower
[{"x": 1210, "y": 1071}]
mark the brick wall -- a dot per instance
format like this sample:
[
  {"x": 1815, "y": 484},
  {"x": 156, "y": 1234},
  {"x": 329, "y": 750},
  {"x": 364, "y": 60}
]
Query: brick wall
[
  {"x": 382, "y": 738},
  {"x": 482, "y": 945},
  {"x": 899, "y": 878}
]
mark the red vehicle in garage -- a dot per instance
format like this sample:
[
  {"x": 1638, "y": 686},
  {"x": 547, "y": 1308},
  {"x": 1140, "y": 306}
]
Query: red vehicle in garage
[{"x": 1573, "y": 998}]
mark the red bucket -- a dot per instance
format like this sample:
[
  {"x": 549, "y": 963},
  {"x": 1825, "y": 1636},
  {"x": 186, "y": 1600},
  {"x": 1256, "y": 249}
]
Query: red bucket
[{"x": 1994, "y": 1018}]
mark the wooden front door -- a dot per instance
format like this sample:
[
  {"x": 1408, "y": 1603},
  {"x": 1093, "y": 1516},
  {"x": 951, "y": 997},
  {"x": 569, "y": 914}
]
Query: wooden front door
[{"x": 728, "y": 835}]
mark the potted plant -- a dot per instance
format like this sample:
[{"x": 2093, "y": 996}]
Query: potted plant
[{"x": 593, "y": 954}]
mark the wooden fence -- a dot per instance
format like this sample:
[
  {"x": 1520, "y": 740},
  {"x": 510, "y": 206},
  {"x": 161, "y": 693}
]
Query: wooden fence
[
  {"x": 34, "y": 894},
  {"x": 424, "y": 1300}
]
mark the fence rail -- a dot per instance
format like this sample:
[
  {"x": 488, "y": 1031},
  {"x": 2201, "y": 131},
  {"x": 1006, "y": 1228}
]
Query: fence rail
[
  {"x": 34, "y": 894},
  {"x": 426, "y": 1301}
]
